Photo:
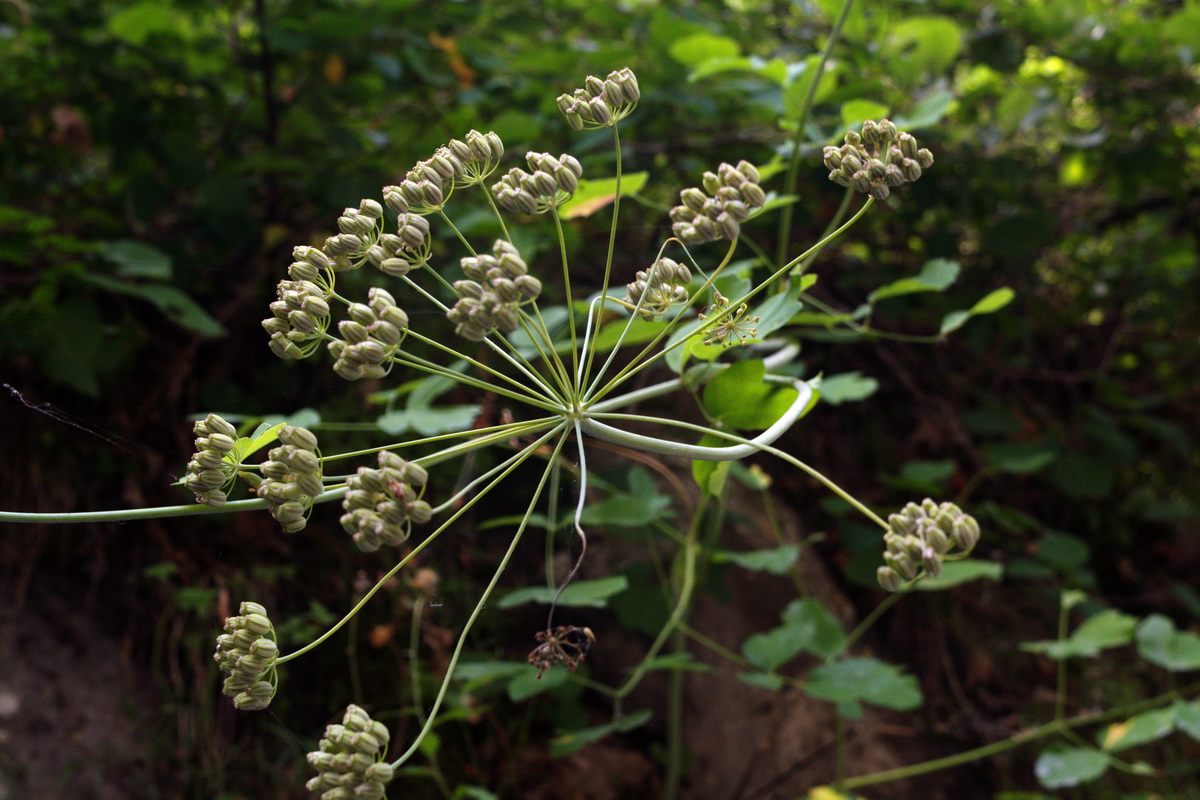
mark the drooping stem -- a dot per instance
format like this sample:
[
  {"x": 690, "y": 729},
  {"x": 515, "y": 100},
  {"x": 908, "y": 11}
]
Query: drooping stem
[{"x": 479, "y": 606}]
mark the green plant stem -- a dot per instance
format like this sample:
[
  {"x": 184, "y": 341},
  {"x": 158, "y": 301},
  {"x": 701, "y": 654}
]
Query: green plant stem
[
  {"x": 480, "y": 605},
  {"x": 804, "y": 400},
  {"x": 793, "y": 173},
  {"x": 870, "y": 619},
  {"x": 527, "y": 452},
  {"x": 766, "y": 448},
  {"x": 674, "y": 774},
  {"x": 1014, "y": 741},
  {"x": 569, "y": 300},
  {"x": 612, "y": 246},
  {"x": 1060, "y": 684}
]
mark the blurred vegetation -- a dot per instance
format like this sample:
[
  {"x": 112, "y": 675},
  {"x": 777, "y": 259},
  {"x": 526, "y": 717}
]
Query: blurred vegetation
[{"x": 159, "y": 159}]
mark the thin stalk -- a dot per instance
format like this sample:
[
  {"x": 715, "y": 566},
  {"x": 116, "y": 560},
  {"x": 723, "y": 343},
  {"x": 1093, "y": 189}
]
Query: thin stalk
[
  {"x": 869, "y": 620},
  {"x": 479, "y": 606},
  {"x": 612, "y": 246},
  {"x": 793, "y": 173},
  {"x": 568, "y": 297},
  {"x": 1014, "y": 741},
  {"x": 642, "y": 360},
  {"x": 666, "y": 447},
  {"x": 529, "y": 452}
]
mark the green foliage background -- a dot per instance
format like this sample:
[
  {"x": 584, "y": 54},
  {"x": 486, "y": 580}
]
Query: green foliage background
[{"x": 158, "y": 160}]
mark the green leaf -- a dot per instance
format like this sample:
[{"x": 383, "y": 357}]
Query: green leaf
[
  {"x": 1137, "y": 730},
  {"x": 691, "y": 51},
  {"x": 820, "y": 632},
  {"x": 640, "y": 506},
  {"x": 794, "y": 92},
  {"x": 926, "y": 112},
  {"x": 530, "y": 683},
  {"x": 846, "y": 387},
  {"x": 738, "y": 397},
  {"x": 774, "y": 70},
  {"x": 994, "y": 301},
  {"x": 710, "y": 476},
  {"x": 593, "y": 195},
  {"x": 920, "y": 46},
  {"x": 772, "y": 649},
  {"x": 1105, "y": 629},
  {"x": 462, "y": 792},
  {"x": 640, "y": 331},
  {"x": 591, "y": 594},
  {"x": 935, "y": 276},
  {"x": 1020, "y": 458},
  {"x": 761, "y": 680},
  {"x": 568, "y": 743},
  {"x": 171, "y": 302},
  {"x": 776, "y": 561},
  {"x": 864, "y": 679},
  {"x": 1159, "y": 643},
  {"x": 675, "y": 662},
  {"x": 1061, "y": 767},
  {"x": 137, "y": 259},
  {"x": 958, "y": 572},
  {"x": 137, "y": 23},
  {"x": 854, "y": 112},
  {"x": 1187, "y": 718}
]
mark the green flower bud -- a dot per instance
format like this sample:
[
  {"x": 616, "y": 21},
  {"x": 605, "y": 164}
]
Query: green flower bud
[
  {"x": 966, "y": 533},
  {"x": 395, "y": 267},
  {"x": 369, "y": 791},
  {"x": 888, "y": 579},
  {"x": 246, "y": 608},
  {"x": 932, "y": 562},
  {"x": 301, "y": 438},
  {"x": 353, "y": 332},
  {"x": 289, "y": 512},
  {"x": 395, "y": 200},
  {"x": 361, "y": 313}
]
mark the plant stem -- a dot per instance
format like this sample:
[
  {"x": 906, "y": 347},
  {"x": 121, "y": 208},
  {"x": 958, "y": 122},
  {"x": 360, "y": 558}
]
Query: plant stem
[
  {"x": 479, "y": 606},
  {"x": 793, "y": 173}
]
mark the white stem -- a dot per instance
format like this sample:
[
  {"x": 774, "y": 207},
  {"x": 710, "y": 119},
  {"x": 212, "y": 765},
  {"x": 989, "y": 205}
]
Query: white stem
[{"x": 663, "y": 447}]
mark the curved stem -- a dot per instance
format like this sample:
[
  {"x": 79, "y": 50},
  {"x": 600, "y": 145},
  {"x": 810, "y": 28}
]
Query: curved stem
[
  {"x": 804, "y": 398},
  {"x": 766, "y": 448}
]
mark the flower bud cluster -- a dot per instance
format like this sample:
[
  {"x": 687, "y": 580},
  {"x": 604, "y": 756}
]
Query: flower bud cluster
[
  {"x": 360, "y": 233},
  {"x": 732, "y": 194},
  {"x": 479, "y": 155},
  {"x": 880, "y": 159},
  {"x": 370, "y": 337},
  {"x": 656, "y": 289},
  {"x": 292, "y": 477},
  {"x": 919, "y": 539},
  {"x": 496, "y": 285},
  {"x": 300, "y": 314},
  {"x": 208, "y": 470},
  {"x": 381, "y": 504},
  {"x": 551, "y": 184},
  {"x": 601, "y": 103},
  {"x": 349, "y": 762},
  {"x": 246, "y": 653}
]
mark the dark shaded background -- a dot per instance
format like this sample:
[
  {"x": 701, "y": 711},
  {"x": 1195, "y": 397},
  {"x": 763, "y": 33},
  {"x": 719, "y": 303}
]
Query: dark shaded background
[{"x": 158, "y": 160}]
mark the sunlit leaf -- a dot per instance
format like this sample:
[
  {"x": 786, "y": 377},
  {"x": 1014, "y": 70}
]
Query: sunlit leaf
[
  {"x": 738, "y": 397},
  {"x": 691, "y": 51},
  {"x": 593, "y": 195},
  {"x": 1145, "y": 727}
]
